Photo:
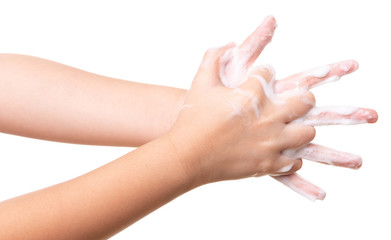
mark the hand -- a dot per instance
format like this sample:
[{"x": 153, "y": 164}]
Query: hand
[
  {"x": 236, "y": 133},
  {"x": 239, "y": 64},
  {"x": 334, "y": 115}
]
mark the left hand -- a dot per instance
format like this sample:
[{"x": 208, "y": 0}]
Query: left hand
[{"x": 244, "y": 56}]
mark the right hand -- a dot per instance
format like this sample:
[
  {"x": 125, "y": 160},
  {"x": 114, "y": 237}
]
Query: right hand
[{"x": 236, "y": 133}]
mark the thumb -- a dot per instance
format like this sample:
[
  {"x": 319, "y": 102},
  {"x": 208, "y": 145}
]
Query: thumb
[{"x": 209, "y": 71}]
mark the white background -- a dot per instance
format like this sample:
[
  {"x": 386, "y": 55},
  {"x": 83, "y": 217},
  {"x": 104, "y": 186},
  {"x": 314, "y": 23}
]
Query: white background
[{"x": 162, "y": 42}]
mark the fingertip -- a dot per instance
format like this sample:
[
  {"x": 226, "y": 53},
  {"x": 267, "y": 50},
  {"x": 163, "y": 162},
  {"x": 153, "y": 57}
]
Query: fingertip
[
  {"x": 321, "y": 195},
  {"x": 347, "y": 66},
  {"x": 254, "y": 44},
  {"x": 355, "y": 162},
  {"x": 366, "y": 114},
  {"x": 353, "y": 66},
  {"x": 373, "y": 116},
  {"x": 270, "y": 19},
  {"x": 358, "y": 164},
  {"x": 316, "y": 193},
  {"x": 356, "y": 65}
]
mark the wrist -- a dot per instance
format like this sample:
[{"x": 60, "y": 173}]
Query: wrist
[
  {"x": 176, "y": 107},
  {"x": 188, "y": 156}
]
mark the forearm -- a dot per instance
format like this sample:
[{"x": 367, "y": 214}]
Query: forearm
[
  {"x": 102, "y": 202},
  {"x": 48, "y": 100}
]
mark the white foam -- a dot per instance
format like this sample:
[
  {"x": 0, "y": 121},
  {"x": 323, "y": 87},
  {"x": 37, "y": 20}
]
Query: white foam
[
  {"x": 318, "y": 72},
  {"x": 327, "y": 80},
  {"x": 254, "y": 102},
  {"x": 343, "y": 110},
  {"x": 311, "y": 117},
  {"x": 329, "y": 156},
  {"x": 268, "y": 87},
  {"x": 301, "y": 186},
  {"x": 233, "y": 71},
  {"x": 286, "y": 168},
  {"x": 344, "y": 67}
]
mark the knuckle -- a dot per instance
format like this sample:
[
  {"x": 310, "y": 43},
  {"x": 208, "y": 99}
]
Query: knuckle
[
  {"x": 262, "y": 71},
  {"x": 254, "y": 85},
  {"x": 298, "y": 164},
  {"x": 267, "y": 71},
  {"x": 306, "y": 136},
  {"x": 264, "y": 166},
  {"x": 311, "y": 133},
  {"x": 250, "y": 95},
  {"x": 311, "y": 99},
  {"x": 301, "y": 136},
  {"x": 258, "y": 89},
  {"x": 271, "y": 122},
  {"x": 299, "y": 140}
]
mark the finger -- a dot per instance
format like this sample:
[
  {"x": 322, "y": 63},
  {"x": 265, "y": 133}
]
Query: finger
[
  {"x": 237, "y": 61},
  {"x": 317, "y": 76},
  {"x": 287, "y": 165},
  {"x": 266, "y": 71},
  {"x": 264, "y": 75},
  {"x": 294, "y": 107},
  {"x": 338, "y": 115},
  {"x": 302, "y": 186},
  {"x": 260, "y": 77},
  {"x": 252, "y": 96},
  {"x": 209, "y": 70},
  {"x": 256, "y": 42},
  {"x": 296, "y": 136},
  {"x": 321, "y": 154}
]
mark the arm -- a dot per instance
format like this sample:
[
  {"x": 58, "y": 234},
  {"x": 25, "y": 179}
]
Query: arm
[
  {"x": 102, "y": 110},
  {"x": 100, "y": 203},
  {"x": 48, "y": 100},
  {"x": 200, "y": 148}
]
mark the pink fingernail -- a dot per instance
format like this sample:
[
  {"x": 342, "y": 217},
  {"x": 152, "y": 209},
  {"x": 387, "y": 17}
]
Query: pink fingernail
[
  {"x": 348, "y": 66},
  {"x": 369, "y": 115}
]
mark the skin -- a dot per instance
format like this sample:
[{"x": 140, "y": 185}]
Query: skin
[
  {"x": 238, "y": 63},
  {"x": 110, "y": 104},
  {"x": 52, "y": 101},
  {"x": 192, "y": 135},
  {"x": 135, "y": 183}
]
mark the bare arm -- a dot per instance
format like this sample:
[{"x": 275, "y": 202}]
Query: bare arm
[
  {"x": 200, "y": 148},
  {"x": 47, "y": 100},
  {"x": 86, "y": 108},
  {"x": 100, "y": 203}
]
